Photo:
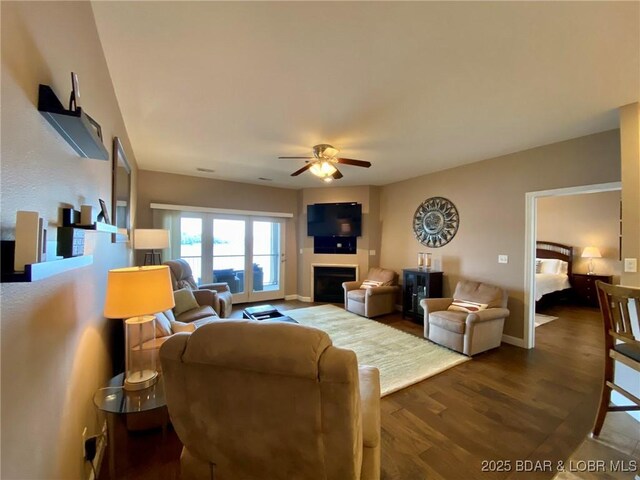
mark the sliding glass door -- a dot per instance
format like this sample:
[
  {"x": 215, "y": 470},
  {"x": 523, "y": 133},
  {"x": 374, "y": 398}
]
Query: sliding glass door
[
  {"x": 245, "y": 252},
  {"x": 267, "y": 260}
]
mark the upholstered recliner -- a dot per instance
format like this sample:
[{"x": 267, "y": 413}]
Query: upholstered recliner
[
  {"x": 256, "y": 400},
  {"x": 147, "y": 340},
  {"x": 182, "y": 277},
  {"x": 372, "y": 301},
  {"x": 467, "y": 332}
]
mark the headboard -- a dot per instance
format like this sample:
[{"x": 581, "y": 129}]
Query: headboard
[{"x": 555, "y": 250}]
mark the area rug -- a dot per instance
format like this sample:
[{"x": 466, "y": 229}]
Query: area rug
[
  {"x": 402, "y": 359},
  {"x": 542, "y": 319}
]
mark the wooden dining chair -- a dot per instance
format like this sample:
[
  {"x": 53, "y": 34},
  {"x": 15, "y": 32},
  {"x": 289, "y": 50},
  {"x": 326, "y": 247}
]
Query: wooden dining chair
[{"x": 620, "y": 307}]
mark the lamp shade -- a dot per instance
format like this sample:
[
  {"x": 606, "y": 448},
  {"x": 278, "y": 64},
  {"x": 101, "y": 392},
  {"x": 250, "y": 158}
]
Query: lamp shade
[
  {"x": 591, "y": 252},
  {"x": 136, "y": 291},
  {"x": 150, "y": 238}
]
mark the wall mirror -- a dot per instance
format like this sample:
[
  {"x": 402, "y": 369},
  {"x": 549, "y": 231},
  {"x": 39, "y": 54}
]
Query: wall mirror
[{"x": 120, "y": 193}]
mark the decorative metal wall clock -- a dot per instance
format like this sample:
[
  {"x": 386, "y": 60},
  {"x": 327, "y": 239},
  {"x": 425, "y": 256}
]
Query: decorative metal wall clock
[{"x": 435, "y": 222}]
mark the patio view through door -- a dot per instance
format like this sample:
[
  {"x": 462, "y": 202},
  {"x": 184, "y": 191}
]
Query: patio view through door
[{"x": 245, "y": 252}]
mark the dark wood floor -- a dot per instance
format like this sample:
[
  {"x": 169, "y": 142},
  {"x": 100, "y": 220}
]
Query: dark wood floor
[{"x": 506, "y": 405}]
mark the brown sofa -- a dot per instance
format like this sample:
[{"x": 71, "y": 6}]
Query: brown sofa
[
  {"x": 257, "y": 400},
  {"x": 467, "y": 333},
  {"x": 374, "y": 301},
  {"x": 182, "y": 277}
]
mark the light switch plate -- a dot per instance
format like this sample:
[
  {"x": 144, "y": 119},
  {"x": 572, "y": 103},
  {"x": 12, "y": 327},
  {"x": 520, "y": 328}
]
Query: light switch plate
[
  {"x": 372, "y": 253},
  {"x": 503, "y": 258},
  {"x": 630, "y": 265}
]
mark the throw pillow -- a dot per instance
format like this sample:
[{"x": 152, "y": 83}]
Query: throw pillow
[
  {"x": 163, "y": 327},
  {"x": 185, "y": 301},
  {"x": 466, "y": 306},
  {"x": 370, "y": 284},
  {"x": 183, "y": 327}
]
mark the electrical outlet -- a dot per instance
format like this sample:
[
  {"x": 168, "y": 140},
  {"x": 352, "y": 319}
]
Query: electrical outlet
[
  {"x": 630, "y": 265},
  {"x": 503, "y": 258}
]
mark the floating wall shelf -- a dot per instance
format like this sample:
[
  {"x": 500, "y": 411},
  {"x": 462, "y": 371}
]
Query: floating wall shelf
[
  {"x": 76, "y": 127},
  {"x": 98, "y": 227},
  {"x": 38, "y": 271}
]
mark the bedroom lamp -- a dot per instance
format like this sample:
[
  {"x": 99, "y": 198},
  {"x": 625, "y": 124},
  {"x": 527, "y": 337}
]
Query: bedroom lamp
[
  {"x": 151, "y": 239},
  {"x": 135, "y": 294},
  {"x": 591, "y": 253}
]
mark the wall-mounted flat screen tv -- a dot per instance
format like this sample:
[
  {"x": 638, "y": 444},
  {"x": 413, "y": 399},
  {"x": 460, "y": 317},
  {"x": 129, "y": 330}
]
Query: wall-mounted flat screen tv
[{"x": 334, "y": 220}]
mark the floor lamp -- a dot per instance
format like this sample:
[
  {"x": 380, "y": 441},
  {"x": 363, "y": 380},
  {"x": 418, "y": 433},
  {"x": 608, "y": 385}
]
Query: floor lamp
[
  {"x": 151, "y": 239},
  {"x": 136, "y": 294}
]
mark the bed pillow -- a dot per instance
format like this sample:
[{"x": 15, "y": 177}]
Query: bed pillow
[
  {"x": 370, "y": 284},
  {"x": 564, "y": 268},
  {"x": 185, "y": 301},
  {"x": 466, "y": 306},
  {"x": 538, "y": 265},
  {"x": 550, "y": 265}
]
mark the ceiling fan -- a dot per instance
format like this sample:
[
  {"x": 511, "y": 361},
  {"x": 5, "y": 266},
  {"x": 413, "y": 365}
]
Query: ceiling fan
[{"x": 323, "y": 163}]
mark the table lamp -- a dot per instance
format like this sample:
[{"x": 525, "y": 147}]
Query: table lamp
[
  {"x": 591, "y": 253},
  {"x": 135, "y": 294},
  {"x": 151, "y": 239}
]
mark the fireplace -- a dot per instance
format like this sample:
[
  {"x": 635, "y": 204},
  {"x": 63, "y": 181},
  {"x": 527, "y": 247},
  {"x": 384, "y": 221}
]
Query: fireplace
[{"x": 327, "y": 282}]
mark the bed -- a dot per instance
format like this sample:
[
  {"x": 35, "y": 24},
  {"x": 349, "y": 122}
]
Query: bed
[{"x": 553, "y": 272}]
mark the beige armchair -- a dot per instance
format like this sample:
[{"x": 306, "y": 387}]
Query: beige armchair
[
  {"x": 464, "y": 332},
  {"x": 256, "y": 400},
  {"x": 182, "y": 277},
  {"x": 147, "y": 340},
  {"x": 373, "y": 301}
]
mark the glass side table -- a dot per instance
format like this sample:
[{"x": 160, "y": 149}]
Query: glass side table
[{"x": 117, "y": 402}]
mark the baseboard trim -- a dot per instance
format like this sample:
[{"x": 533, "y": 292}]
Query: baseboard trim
[
  {"x": 304, "y": 299},
  {"x": 518, "y": 342},
  {"x": 291, "y": 297}
]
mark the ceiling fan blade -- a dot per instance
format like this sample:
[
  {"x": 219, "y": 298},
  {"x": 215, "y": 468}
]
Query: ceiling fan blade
[
  {"x": 357, "y": 163},
  {"x": 302, "y": 170},
  {"x": 337, "y": 175},
  {"x": 297, "y": 157}
]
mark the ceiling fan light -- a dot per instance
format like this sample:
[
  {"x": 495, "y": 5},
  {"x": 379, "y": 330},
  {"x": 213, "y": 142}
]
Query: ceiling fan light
[
  {"x": 323, "y": 169},
  {"x": 328, "y": 179},
  {"x": 330, "y": 152}
]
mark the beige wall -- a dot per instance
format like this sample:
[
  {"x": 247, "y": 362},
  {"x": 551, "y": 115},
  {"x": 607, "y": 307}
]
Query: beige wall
[
  {"x": 55, "y": 341},
  {"x": 490, "y": 197},
  {"x": 630, "y": 153},
  {"x": 168, "y": 188},
  {"x": 584, "y": 220},
  {"x": 369, "y": 197}
]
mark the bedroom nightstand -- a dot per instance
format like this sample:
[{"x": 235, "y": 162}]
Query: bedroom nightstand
[{"x": 584, "y": 286}]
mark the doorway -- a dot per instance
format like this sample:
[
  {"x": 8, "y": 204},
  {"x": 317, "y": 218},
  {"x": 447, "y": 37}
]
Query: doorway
[
  {"x": 246, "y": 252},
  {"x": 530, "y": 246}
]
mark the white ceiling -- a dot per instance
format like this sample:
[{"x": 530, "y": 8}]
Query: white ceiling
[{"x": 412, "y": 87}]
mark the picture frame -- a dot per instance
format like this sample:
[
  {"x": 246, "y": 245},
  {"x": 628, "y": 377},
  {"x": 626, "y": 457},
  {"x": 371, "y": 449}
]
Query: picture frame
[
  {"x": 74, "y": 100},
  {"x": 103, "y": 216}
]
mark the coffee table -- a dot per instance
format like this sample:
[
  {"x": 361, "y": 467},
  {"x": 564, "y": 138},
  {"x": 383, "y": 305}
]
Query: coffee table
[{"x": 266, "y": 313}]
